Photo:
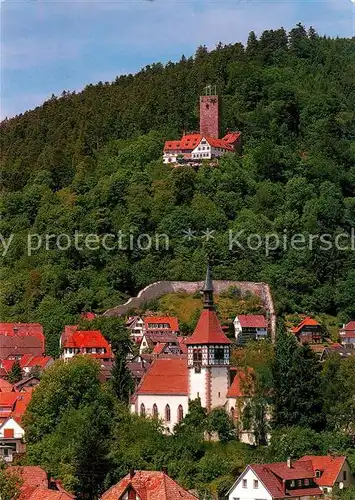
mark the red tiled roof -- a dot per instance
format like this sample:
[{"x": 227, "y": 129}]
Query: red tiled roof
[
  {"x": 187, "y": 142},
  {"x": 306, "y": 322},
  {"x": 31, "y": 475},
  {"x": 22, "y": 334},
  {"x": 172, "y": 321},
  {"x": 252, "y": 321},
  {"x": 149, "y": 485},
  {"x": 40, "y": 361},
  {"x": 218, "y": 143},
  {"x": 272, "y": 476},
  {"x": 182, "y": 344},
  {"x": 14, "y": 404},
  {"x": 158, "y": 348},
  {"x": 85, "y": 339},
  {"x": 5, "y": 386},
  {"x": 165, "y": 376},
  {"x": 349, "y": 328},
  {"x": 231, "y": 137},
  {"x": 237, "y": 388},
  {"x": 329, "y": 466},
  {"x": 35, "y": 484},
  {"x": 163, "y": 338},
  {"x": 208, "y": 330}
]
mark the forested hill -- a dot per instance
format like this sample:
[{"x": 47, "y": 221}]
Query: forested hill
[{"x": 90, "y": 162}]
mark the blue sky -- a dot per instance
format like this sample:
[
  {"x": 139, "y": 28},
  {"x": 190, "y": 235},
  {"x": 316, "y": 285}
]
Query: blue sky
[{"x": 48, "y": 46}]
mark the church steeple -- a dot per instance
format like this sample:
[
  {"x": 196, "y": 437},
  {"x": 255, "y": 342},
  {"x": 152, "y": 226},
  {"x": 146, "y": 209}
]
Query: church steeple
[{"x": 208, "y": 290}]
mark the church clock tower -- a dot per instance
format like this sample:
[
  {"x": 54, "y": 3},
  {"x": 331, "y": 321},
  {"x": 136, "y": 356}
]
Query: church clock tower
[{"x": 208, "y": 355}]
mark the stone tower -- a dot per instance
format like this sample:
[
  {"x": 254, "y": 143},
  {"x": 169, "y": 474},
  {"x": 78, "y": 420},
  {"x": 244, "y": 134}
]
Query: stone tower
[{"x": 209, "y": 113}]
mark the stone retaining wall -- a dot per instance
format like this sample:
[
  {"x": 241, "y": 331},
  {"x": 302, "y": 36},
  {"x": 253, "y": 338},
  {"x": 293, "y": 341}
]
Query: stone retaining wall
[{"x": 156, "y": 290}]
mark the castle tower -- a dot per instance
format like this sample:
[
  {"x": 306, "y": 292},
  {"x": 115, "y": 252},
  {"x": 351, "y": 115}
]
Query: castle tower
[
  {"x": 208, "y": 355},
  {"x": 209, "y": 113}
]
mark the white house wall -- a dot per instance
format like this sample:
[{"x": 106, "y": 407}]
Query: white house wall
[
  {"x": 248, "y": 493},
  {"x": 12, "y": 424}
]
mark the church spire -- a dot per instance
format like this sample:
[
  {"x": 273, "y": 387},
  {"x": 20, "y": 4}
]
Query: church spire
[{"x": 208, "y": 290}]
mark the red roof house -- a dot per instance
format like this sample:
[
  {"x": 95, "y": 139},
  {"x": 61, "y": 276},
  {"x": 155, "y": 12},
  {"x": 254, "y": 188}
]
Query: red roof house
[
  {"x": 18, "y": 339},
  {"x": 155, "y": 324},
  {"x": 36, "y": 486},
  {"x": 330, "y": 471},
  {"x": 250, "y": 327},
  {"x": 91, "y": 342},
  {"x": 277, "y": 481},
  {"x": 147, "y": 485},
  {"x": 308, "y": 331},
  {"x": 347, "y": 334}
]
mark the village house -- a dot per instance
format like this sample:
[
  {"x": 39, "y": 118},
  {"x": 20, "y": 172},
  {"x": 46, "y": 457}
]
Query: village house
[
  {"x": 309, "y": 331},
  {"x": 205, "y": 145},
  {"x": 37, "y": 485},
  {"x": 310, "y": 477},
  {"x": 331, "y": 471},
  {"x": 18, "y": 339},
  {"x": 92, "y": 342},
  {"x": 150, "y": 340},
  {"x": 12, "y": 408},
  {"x": 347, "y": 334},
  {"x": 147, "y": 485},
  {"x": 249, "y": 327},
  {"x": 135, "y": 325},
  {"x": 28, "y": 363},
  {"x": 169, "y": 384}
]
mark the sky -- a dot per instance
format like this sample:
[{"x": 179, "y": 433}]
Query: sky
[{"x": 48, "y": 46}]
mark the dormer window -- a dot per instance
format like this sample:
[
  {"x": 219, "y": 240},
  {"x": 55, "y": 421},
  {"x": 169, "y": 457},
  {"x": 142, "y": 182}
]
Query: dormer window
[{"x": 318, "y": 473}]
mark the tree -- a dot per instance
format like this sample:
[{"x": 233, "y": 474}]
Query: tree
[
  {"x": 15, "y": 374},
  {"x": 218, "y": 422},
  {"x": 296, "y": 372},
  {"x": 64, "y": 386},
  {"x": 9, "y": 483}
]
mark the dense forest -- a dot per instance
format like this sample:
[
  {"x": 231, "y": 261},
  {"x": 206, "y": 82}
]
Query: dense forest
[{"x": 90, "y": 162}]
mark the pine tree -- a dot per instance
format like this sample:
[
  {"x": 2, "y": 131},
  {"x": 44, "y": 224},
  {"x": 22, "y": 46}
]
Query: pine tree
[
  {"x": 297, "y": 398},
  {"x": 15, "y": 374}
]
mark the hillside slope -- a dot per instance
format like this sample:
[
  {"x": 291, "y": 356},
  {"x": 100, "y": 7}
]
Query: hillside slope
[{"x": 90, "y": 163}]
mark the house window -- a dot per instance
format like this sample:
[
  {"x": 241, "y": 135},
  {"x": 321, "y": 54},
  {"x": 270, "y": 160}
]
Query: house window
[
  {"x": 306, "y": 482},
  {"x": 232, "y": 412},
  {"x": 167, "y": 413},
  {"x": 344, "y": 475},
  {"x": 245, "y": 483},
  {"x": 317, "y": 473},
  {"x": 155, "y": 411},
  {"x": 219, "y": 354},
  {"x": 256, "y": 484},
  {"x": 8, "y": 433},
  {"x": 142, "y": 410},
  {"x": 180, "y": 414},
  {"x": 299, "y": 482},
  {"x": 197, "y": 355}
]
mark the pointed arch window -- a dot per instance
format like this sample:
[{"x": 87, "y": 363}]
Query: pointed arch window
[
  {"x": 142, "y": 410},
  {"x": 167, "y": 413},
  {"x": 180, "y": 412},
  {"x": 232, "y": 412},
  {"x": 155, "y": 411}
]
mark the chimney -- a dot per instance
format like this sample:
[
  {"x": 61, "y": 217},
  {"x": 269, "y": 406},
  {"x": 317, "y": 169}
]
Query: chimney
[
  {"x": 289, "y": 463},
  {"x": 131, "y": 473},
  {"x": 164, "y": 470}
]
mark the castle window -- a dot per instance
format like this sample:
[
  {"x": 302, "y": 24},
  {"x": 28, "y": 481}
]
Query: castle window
[
  {"x": 167, "y": 413},
  {"x": 155, "y": 411},
  {"x": 232, "y": 412},
  {"x": 142, "y": 410},
  {"x": 180, "y": 414}
]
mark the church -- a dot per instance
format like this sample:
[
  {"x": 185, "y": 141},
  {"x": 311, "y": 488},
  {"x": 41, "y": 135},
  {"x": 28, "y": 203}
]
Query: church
[{"x": 171, "y": 382}]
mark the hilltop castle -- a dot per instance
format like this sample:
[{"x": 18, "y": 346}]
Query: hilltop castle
[{"x": 193, "y": 148}]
